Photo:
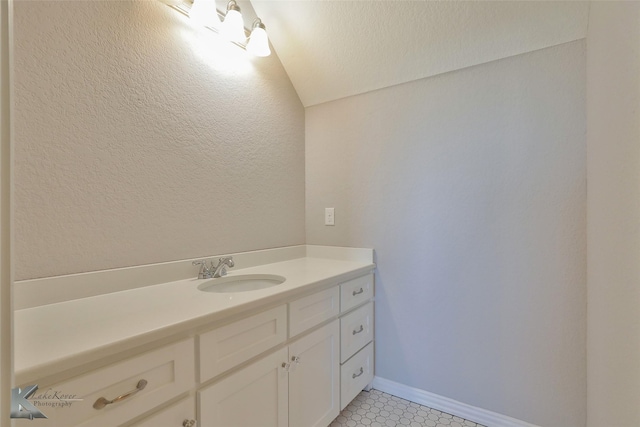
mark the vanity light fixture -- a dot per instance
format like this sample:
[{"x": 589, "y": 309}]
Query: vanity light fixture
[
  {"x": 232, "y": 27},
  {"x": 229, "y": 25},
  {"x": 204, "y": 12},
  {"x": 258, "y": 42}
]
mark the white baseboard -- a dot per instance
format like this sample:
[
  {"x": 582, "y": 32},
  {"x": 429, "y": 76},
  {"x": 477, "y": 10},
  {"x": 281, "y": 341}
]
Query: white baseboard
[{"x": 444, "y": 404}]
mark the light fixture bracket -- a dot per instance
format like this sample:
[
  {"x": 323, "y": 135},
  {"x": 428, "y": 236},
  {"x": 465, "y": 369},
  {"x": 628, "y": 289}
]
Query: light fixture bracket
[
  {"x": 257, "y": 23},
  {"x": 232, "y": 5}
]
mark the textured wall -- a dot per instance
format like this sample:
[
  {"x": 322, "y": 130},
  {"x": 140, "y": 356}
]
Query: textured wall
[
  {"x": 613, "y": 123},
  {"x": 471, "y": 186},
  {"x": 140, "y": 139},
  {"x": 6, "y": 313}
]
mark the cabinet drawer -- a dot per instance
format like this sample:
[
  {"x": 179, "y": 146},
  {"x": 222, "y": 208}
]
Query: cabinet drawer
[
  {"x": 169, "y": 371},
  {"x": 355, "y": 375},
  {"x": 173, "y": 416},
  {"x": 356, "y": 330},
  {"x": 355, "y": 292},
  {"x": 310, "y": 311},
  {"x": 228, "y": 346}
]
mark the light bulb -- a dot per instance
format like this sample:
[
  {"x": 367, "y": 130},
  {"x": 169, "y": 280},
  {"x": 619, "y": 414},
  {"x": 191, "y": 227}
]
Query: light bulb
[
  {"x": 232, "y": 27},
  {"x": 258, "y": 41},
  {"x": 203, "y": 12}
]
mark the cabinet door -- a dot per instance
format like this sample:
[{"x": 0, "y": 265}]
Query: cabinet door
[
  {"x": 255, "y": 396},
  {"x": 314, "y": 378}
]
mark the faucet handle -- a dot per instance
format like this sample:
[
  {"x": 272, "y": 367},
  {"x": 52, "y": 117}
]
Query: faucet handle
[
  {"x": 227, "y": 260},
  {"x": 204, "y": 270},
  {"x": 202, "y": 263}
]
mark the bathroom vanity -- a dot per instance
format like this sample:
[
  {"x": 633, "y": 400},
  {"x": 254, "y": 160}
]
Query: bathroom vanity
[{"x": 173, "y": 354}]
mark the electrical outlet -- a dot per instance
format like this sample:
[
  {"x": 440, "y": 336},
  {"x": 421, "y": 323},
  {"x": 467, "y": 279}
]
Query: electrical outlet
[{"x": 329, "y": 216}]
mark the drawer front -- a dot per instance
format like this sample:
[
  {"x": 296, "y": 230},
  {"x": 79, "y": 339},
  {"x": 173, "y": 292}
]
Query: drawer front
[
  {"x": 173, "y": 416},
  {"x": 356, "y": 331},
  {"x": 355, "y": 375},
  {"x": 230, "y": 345},
  {"x": 310, "y": 311},
  {"x": 169, "y": 371},
  {"x": 355, "y": 292}
]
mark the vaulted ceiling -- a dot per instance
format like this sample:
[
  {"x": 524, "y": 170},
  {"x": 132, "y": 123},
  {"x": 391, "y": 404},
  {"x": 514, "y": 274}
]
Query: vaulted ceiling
[{"x": 334, "y": 49}]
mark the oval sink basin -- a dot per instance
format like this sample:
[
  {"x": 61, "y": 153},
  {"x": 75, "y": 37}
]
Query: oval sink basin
[{"x": 243, "y": 283}]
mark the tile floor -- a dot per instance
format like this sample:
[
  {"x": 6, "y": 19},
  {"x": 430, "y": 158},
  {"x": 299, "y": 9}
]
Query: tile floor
[{"x": 378, "y": 409}]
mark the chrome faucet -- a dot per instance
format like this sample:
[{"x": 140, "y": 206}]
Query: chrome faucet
[
  {"x": 213, "y": 271},
  {"x": 221, "y": 269}
]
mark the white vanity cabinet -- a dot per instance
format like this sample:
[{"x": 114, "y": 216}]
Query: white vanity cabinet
[{"x": 292, "y": 361}]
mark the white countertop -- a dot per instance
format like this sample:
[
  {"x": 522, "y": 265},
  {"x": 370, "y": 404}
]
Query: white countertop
[{"x": 57, "y": 337}]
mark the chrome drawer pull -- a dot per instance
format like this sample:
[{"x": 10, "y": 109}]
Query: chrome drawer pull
[
  {"x": 359, "y": 330},
  {"x": 354, "y": 376},
  {"x": 102, "y": 402},
  {"x": 358, "y": 292},
  {"x": 188, "y": 423}
]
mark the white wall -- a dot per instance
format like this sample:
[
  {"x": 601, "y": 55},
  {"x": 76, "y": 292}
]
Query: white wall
[
  {"x": 139, "y": 139},
  {"x": 613, "y": 123},
  {"x": 471, "y": 186}
]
